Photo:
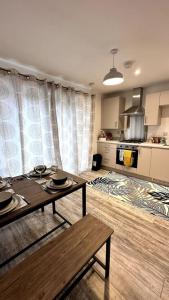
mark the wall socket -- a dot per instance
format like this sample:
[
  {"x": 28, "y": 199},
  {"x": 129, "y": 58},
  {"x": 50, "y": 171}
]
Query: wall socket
[{"x": 165, "y": 133}]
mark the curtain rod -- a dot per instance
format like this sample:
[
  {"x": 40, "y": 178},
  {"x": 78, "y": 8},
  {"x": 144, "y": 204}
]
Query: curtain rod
[{"x": 33, "y": 77}]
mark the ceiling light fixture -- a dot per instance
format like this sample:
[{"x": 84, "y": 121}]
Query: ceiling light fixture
[
  {"x": 137, "y": 72},
  {"x": 113, "y": 77}
]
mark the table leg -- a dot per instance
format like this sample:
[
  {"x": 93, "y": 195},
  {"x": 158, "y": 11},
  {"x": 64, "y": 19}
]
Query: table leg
[
  {"x": 107, "y": 257},
  {"x": 53, "y": 206},
  {"x": 84, "y": 200}
]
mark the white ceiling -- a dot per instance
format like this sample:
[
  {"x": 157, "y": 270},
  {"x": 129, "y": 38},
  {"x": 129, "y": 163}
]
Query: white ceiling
[{"x": 72, "y": 38}]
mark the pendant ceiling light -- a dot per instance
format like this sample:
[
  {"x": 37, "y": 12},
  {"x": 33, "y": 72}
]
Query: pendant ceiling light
[{"x": 113, "y": 77}]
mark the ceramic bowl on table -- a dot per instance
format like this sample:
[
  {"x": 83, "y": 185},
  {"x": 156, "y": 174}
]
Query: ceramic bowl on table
[
  {"x": 58, "y": 178},
  {"x": 51, "y": 185},
  {"x": 5, "y": 199},
  {"x": 14, "y": 202}
]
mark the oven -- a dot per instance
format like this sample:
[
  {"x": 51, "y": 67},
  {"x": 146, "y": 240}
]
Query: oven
[{"x": 120, "y": 154}]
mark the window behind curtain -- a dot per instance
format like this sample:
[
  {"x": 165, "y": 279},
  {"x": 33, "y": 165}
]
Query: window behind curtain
[
  {"x": 75, "y": 124},
  {"x": 29, "y": 113},
  {"x": 25, "y": 126}
]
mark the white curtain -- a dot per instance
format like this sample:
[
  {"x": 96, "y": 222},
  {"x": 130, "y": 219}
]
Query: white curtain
[
  {"x": 42, "y": 124},
  {"x": 26, "y": 126},
  {"x": 75, "y": 125}
]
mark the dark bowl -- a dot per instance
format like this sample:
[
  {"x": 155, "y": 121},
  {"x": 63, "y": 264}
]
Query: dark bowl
[
  {"x": 58, "y": 179},
  {"x": 5, "y": 199}
]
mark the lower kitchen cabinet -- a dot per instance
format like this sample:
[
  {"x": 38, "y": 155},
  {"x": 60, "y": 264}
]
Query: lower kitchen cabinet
[
  {"x": 119, "y": 167},
  {"x": 129, "y": 169},
  {"x": 152, "y": 162},
  {"x": 108, "y": 152},
  {"x": 126, "y": 169},
  {"x": 144, "y": 161},
  {"x": 160, "y": 164}
]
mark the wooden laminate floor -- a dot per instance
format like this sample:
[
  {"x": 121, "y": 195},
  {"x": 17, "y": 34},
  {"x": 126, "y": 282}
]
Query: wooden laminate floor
[{"x": 139, "y": 248}]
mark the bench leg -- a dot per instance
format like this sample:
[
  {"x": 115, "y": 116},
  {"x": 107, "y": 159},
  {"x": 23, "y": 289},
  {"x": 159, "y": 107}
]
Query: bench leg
[
  {"x": 107, "y": 269},
  {"x": 42, "y": 209}
]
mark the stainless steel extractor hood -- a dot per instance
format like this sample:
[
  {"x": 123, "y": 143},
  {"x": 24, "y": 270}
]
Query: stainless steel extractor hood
[{"x": 136, "y": 109}]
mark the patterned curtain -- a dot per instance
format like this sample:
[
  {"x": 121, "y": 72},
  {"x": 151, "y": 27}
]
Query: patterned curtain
[
  {"x": 26, "y": 128},
  {"x": 75, "y": 125},
  {"x": 43, "y": 124}
]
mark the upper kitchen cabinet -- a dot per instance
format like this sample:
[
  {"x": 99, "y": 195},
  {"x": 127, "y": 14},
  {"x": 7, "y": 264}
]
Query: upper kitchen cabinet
[
  {"x": 152, "y": 109},
  {"x": 164, "y": 98},
  {"x": 110, "y": 114}
]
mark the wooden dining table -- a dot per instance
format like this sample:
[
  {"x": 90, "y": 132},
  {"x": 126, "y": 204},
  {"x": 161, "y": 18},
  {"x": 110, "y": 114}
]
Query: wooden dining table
[{"x": 38, "y": 198}]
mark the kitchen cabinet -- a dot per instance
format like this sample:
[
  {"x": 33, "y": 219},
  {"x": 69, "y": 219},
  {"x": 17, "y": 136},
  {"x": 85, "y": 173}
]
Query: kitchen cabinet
[
  {"x": 144, "y": 161},
  {"x": 159, "y": 168},
  {"x": 152, "y": 162},
  {"x": 110, "y": 115},
  {"x": 108, "y": 152},
  {"x": 164, "y": 98},
  {"x": 129, "y": 169},
  {"x": 119, "y": 167},
  {"x": 152, "y": 109}
]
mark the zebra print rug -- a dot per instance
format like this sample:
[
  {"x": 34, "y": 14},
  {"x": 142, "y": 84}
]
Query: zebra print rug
[{"x": 144, "y": 194}]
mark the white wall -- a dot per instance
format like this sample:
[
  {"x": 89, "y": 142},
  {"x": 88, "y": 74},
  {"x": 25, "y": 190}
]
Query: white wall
[{"x": 97, "y": 121}]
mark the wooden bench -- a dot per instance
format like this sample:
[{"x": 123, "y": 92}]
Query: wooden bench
[{"x": 57, "y": 267}]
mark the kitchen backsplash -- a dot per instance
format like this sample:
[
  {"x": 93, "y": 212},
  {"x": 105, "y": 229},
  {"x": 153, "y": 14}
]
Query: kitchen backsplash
[{"x": 115, "y": 133}]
